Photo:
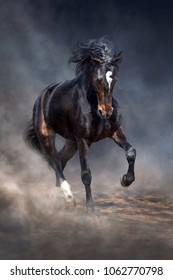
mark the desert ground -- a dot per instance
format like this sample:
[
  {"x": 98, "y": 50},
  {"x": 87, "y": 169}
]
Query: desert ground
[{"x": 127, "y": 224}]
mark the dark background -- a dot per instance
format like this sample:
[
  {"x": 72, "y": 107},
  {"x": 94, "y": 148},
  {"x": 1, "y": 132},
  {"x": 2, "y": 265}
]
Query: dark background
[{"x": 36, "y": 39}]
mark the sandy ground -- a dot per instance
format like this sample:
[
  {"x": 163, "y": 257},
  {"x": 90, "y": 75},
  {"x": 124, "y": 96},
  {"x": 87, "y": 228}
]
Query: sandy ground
[{"x": 126, "y": 225}]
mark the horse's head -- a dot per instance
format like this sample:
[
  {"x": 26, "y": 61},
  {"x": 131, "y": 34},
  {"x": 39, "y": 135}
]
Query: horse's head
[
  {"x": 99, "y": 62},
  {"x": 104, "y": 76}
]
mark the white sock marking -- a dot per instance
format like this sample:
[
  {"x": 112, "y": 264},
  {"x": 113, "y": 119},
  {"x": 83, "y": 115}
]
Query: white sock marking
[
  {"x": 66, "y": 189},
  {"x": 108, "y": 78}
]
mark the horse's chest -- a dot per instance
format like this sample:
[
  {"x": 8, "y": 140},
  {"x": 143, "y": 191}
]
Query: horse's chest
[
  {"x": 94, "y": 128},
  {"x": 94, "y": 131},
  {"x": 101, "y": 130}
]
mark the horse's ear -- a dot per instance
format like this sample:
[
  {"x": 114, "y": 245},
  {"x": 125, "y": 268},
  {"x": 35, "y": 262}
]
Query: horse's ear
[{"x": 118, "y": 57}]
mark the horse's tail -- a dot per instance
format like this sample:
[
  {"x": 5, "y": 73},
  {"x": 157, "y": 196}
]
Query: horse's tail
[
  {"x": 30, "y": 136},
  {"x": 31, "y": 139}
]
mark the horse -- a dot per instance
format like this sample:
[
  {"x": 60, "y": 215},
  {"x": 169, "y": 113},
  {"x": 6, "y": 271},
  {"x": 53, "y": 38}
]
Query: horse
[{"x": 83, "y": 111}]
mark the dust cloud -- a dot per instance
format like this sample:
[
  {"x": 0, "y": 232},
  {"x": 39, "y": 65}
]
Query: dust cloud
[{"x": 132, "y": 223}]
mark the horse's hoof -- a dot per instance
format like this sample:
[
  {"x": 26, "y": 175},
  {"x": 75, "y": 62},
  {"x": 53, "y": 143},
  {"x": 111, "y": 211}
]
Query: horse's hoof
[
  {"x": 91, "y": 211},
  {"x": 70, "y": 205},
  {"x": 126, "y": 180},
  {"x": 71, "y": 201},
  {"x": 90, "y": 208}
]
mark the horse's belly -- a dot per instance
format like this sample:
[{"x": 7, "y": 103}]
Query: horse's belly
[{"x": 64, "y": 130}]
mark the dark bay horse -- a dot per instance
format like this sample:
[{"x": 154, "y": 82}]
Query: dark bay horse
[{"x": 83, "y": 111}]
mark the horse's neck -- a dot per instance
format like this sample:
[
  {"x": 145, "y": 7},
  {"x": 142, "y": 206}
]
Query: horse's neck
[
  {"x": 84, "y": 81},
  {"x": 90, "y": 94}
]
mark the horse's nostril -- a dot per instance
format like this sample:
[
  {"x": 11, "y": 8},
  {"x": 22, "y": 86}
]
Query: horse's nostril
[
  {"x": 104, "y": 114},
  {"x": 100, "y": 112},
  {"x": 110, "y": 112}
]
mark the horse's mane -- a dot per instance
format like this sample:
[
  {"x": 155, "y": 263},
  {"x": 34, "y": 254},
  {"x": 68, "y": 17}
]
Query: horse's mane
[{"x": 99, "y": 49}]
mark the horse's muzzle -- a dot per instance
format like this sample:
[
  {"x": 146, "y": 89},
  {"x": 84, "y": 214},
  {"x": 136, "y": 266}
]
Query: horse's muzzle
[{"x": 105, "y": 111}]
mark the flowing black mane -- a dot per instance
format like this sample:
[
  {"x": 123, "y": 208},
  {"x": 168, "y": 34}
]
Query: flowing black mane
[{"x": 100, "y": 50}]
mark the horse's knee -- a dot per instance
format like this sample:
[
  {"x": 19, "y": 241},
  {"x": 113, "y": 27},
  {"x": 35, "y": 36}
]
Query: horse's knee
[
  {"x": 131, "y": 154},
  {"x": 86, "y": 177}
]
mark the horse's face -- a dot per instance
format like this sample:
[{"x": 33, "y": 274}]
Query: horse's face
[{"x": 105, "y": 75}]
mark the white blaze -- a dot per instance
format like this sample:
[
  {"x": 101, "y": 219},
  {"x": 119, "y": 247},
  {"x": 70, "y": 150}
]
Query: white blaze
[{"x": 108, "y": 78}]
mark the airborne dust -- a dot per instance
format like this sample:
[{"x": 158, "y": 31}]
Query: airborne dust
[{"x": 133, "y": 223}]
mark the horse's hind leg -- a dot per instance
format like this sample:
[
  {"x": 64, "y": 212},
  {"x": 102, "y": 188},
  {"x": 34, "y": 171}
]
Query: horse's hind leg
[
  {"x": 46, "y": 138},
  {"x": 120, "y": 138}
]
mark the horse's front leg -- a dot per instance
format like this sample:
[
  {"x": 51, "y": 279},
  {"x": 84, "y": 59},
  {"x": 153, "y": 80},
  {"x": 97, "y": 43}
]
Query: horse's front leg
[
  {"x": 83, "y": 148},
  {"x": 120, "y": 138}
]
